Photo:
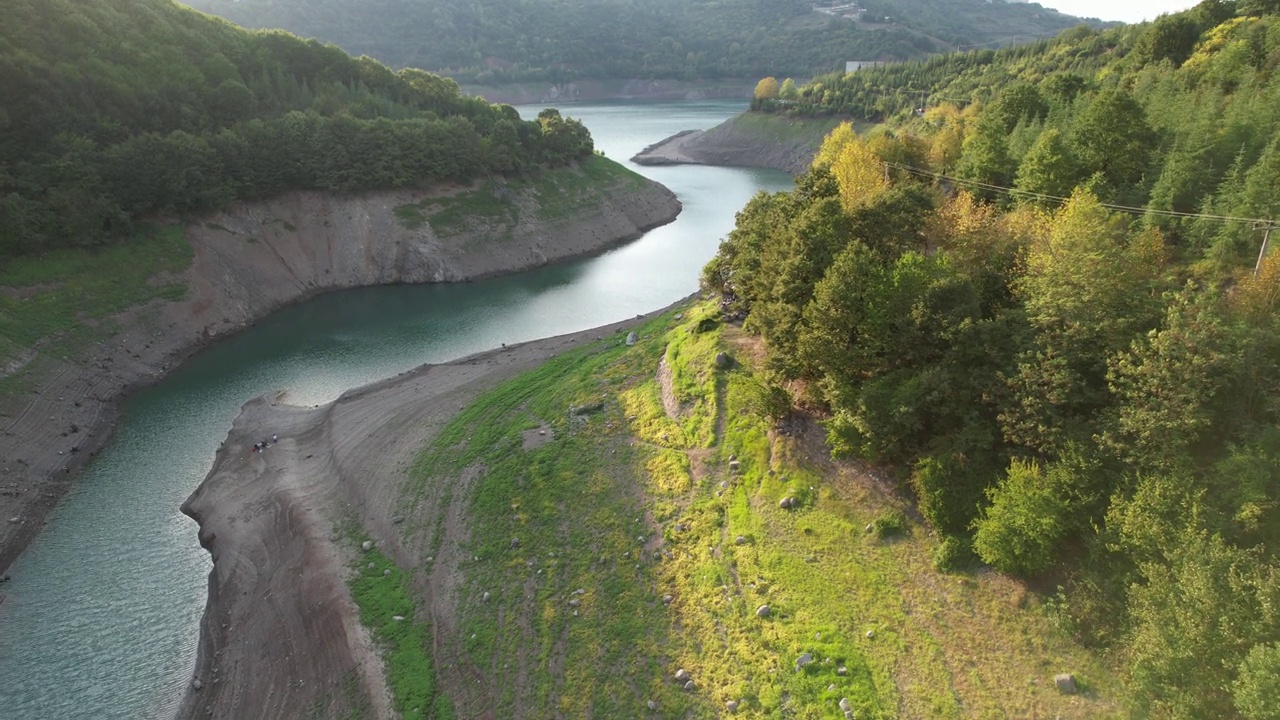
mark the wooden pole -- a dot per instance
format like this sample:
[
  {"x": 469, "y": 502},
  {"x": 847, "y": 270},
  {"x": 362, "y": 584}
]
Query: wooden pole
[{"x": 1266, "y": 239}]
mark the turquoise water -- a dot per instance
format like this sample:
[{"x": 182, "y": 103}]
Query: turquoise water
[{"x": 101, "y": 616}]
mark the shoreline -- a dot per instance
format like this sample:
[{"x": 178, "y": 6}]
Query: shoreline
[
  {"x": 745, "y": 140},
  {"x": 316, "y": 242},
  {"x": 274, "y": 643}
]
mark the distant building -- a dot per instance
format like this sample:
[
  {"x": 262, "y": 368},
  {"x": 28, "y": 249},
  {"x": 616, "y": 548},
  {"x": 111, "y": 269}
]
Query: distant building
[{"x": 852, "y": 66}]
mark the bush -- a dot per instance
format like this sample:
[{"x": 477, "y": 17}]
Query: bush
[
  {"x": 954, "y": 553},
  {"x": 889, "y": 524},
  {"x": 1024, "y": 524}
]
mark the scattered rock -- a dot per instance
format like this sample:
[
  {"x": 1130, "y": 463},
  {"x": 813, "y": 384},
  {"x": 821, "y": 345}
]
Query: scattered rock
[
  {"x": 485, "y": 597},
  {"x": 666, "y": 599},
  {"x": 803, "y": 660},
  {"x": 682, "y": 675},
  {"x": 651, "y": 705},
  {"x": 397, "y": 520},
  {"x": 763, "y": 611},
  {"x": 1066, "y": 683},
  {"x": 15, "y": 520},
  {"x": 723, "y": 360},
  {"x": 372, "y": 565},
  {"x": 632, "y": 338},
  {"x": 734, "y": 466},
  {"x": 831, "y": 687},
  {"x": 574, "y": 602},
  {"x": 871, "y": 527},
  {"x": 688, "y": 687},
  {"x": 398, "y": 618},
  {"x": 586, "y": 409},
  {"x": 845, "y": 705},
  {"x": 367, "y": 545},
  {"x": 787, "y": 503},
  {"x": 386, "y": 572},
  {"x": 740, "y": 540},
  {"x": 430, "y": 558},
  {"x": 515, "y": 542},
  {"x": 842, "y": 670},
  {"x": 195, "y": 683},
  {"x": 731, "y": 706},
  {"x": 871, "y": 634},
  {"x": 724, "y": 484}
]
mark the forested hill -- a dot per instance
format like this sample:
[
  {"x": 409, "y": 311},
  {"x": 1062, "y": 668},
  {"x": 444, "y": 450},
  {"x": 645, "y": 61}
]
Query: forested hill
[
  {"x": 1042, "y": 306},
  {"x": 115, "y": 111},
  {"x": 495, "y": 41}
]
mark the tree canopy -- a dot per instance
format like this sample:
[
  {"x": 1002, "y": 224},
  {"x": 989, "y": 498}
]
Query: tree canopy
[{"x": 124, "y": 110}]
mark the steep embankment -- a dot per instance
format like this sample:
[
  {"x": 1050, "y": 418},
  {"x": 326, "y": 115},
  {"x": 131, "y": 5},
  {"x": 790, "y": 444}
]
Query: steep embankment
[
  {"x": 59, "y": 397},
  {"x": 746, "y": 140}
]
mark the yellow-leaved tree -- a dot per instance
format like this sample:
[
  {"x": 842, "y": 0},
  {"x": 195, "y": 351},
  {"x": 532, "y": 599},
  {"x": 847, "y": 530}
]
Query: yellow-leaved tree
[
  {"x": 854, "y": 164},
  {"x": 767, "y": 89}
]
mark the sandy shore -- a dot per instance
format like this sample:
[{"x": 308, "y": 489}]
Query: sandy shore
[
  {"x": 280, "y": 632},
  {"x": 250, "y": 260}
]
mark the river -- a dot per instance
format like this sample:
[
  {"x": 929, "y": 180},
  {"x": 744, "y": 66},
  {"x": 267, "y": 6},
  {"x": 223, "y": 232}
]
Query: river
[{"x": 101, "y": 616}]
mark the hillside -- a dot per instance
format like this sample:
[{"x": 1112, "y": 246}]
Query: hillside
[
  {"x": 582, "y": 527},
  {"x": 1045, "y": 307},
  {"x": 117, "y": 112},
  {"x": 492, "y": 42}
]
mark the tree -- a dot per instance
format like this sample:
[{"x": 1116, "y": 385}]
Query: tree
[
  {"x": 1112, "y": 137},
  {"x": 766, "y": 89},
  {"x": 1256, "y": 691},
  {"x": 1025, "y": 522},
  {"x": 1049, "y": 167},
  {"x": 986, "y": 157},
  {"x": 788, "y": 91}
]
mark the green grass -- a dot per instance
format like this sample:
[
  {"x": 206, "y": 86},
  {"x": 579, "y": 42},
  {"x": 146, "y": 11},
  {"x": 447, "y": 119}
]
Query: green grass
[
  {"x": 586, "y": 508},
  {"x": 406, "y": 644},
  {"x": 61, "y": 302},
  {"x": 780, "y": 128}
]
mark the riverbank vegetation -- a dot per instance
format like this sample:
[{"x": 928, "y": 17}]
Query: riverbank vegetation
[
  {"x": 120, "y": 112},
  {"x": 625, "y": 525},
  {"x": 493, "y": 42},
  {"x": 1042, "y": 315}
]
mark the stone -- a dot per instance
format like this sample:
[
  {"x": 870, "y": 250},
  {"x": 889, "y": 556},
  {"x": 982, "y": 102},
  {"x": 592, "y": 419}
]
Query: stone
[
  {"x": 763, "y": 611},
  {"x": 15, "y": 520},
  {"x": 842, "y": 670},
  {"x": 731, "y": 706},
  {"x": 734, "y": 466},
  {"x": 682, "y": 675},
  {"x": 871, "y": 634},
  {"x": 804, "y": 660},
  {"x": 787, "y": 503},
  {"x": 367, "y": 545},
  {"x": 398, "y": 618},
  {"x": 386, "y": 573},
  {"x": 397, "y": 520},
  {"x": 430, "y": 558},
  {"x": 723, "y": 360},
  {"x": 485, "y": 597},
  {"x": 1066, "y": 683},
  {"x": 845, "y": 706},
  {"x": 666, "y": 599},
  {"x": 724, "y": 484},
  {"x": 515, "y": 542},
  {"x": 870, "y": 528},
  {"x": 574, "y": 602},
  {"x": 195, "y": 683},
  {"x": 651, "y": 705},
  {"x": 831, "y": 687},
  {"x": 740, "y": 540},
  {"x": 688, "y": 687},
  {"x": 632, "y": 338}
]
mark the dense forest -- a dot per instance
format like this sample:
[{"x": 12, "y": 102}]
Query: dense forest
[
  {"x": 116, "y": 111},
  {"x": 1044, "y": 306},
  {"x": 495, "y": 41}
]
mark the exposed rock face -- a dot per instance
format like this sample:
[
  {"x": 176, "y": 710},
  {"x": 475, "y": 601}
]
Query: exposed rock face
[
  {"x": 251, "y": 259},
  {"x": 586, "y": 90}
]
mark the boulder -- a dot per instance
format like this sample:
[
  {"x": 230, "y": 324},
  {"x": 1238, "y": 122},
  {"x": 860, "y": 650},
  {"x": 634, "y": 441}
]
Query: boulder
[
  {"x": 367, "y": 545},
  {"x": 723, "y": 361},
  {"x": 740, "y": 540},
  {"x": 804, "y": 660},
  {"x": 689, "y": 686},
  {"x": 845, "y": 706},
  {"x": 651, "y": 705},
  {"x": 682, "y": 675},
  {"x": 1066, "y": 683},
  {"x": 763, "y": 611},
  {"x": 195, "y": 683},
  {"x": 731, "y": 706},
  {"x": 842, "y": 670},
  {"x": 734, "y": 466},
  {"x": 632, "y": 338}
]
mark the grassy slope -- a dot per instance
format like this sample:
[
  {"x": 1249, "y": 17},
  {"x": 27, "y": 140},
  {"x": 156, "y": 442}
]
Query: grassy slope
[{"x": 627, "y": 505}]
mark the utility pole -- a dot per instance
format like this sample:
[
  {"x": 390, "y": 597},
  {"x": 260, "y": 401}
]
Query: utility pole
[{"x": 1266, "y": 239}]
